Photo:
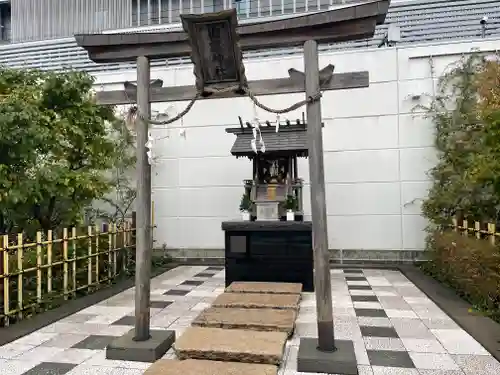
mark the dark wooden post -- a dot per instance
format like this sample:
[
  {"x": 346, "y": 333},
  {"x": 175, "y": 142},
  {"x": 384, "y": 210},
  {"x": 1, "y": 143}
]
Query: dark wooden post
[
  {"x": 143, "y": 230},
  {"x": 322, "y": 282}
]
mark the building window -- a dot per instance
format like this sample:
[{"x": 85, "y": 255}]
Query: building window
[
  {"x": 241, "y": 7},
  {"x": 5, "y": 22}
]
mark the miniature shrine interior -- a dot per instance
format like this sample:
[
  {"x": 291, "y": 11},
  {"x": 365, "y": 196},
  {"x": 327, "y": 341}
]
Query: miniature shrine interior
[
  {"x": 268, "y": 246},
  {"x": 275, "y": 186}
]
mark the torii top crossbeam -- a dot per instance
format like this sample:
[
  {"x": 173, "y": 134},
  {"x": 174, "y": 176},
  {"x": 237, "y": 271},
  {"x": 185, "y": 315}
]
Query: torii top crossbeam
[{"x": 352, "y": 22}]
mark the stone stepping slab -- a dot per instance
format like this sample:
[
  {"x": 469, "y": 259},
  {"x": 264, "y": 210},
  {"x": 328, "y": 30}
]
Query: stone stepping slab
[
  {"x": 257, "y": 301},
  {"x": 259, "y": 287},
  {"x": 201, "y": 367},
  {"x": 231, "y": 345},
  {"x": 251, "y": 319}
]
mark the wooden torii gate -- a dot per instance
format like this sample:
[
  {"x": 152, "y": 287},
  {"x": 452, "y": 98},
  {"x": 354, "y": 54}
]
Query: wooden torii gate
[{"x": 218, "y": 63}]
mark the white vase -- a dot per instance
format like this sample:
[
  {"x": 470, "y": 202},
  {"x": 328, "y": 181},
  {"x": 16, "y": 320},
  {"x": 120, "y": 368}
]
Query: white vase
[
  {"x": 290, "y": 215},
  {"x": 245, "y": 215}
]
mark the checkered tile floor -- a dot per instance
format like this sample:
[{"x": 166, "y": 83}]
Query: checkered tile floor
[{"x": 395, "y": 328}]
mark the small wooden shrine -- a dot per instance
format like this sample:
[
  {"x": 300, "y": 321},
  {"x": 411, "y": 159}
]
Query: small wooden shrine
[{"x": 275, "y": 186}]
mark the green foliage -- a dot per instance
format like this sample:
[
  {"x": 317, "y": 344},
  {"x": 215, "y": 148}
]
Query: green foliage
[
  {"x": 58, "y": 149},
  {"x": 246, "y": 203},
  {"x": 291, "y": 203},
  {"x": 466, "y": 115},
  {"x": 470, "y": 266},
  {"x": 466, "y": 181}
]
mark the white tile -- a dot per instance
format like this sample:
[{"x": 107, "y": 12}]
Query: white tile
[
  {"x": 12, "y": 350},
  {"x": 126, "y": 371},
  {"x": 373, "y": 321},
  {"x": 416, "y": 163},
  {"x": 392, "y": 313},
  {"x": 73, "y": 355},
  {"x": 200, "y": 306},
  {"x": 380, "y": 198},
  {"x": 107, "y": 310},
  {"x": 35, "y": 338},
  {"x": 110, "y": 330},
  {"x": 414, "y": 232},
  {"x": 360, "y": 352},
  {"x": 101, "y": 361},
  {"x": 430, "y": 313},
  {"x": 379, "y": 132},
  {"x": 415, "y": 131},
  {"x": 104, "y": 319},
  {"x": 433, "y": 361},
  {"x": 378, "y": 370},
  {"x": 419, "y": 301},
  {"x": 291, "y": 358},
  {"x": 457, "y": 341},
  {"x": 383, "y": 293},
  {"x": 340, "y": 310},
  {"x": 378, "y": 281},
  {"x": 365, "y": 370},
  {"x": 367, "y": 305},
  {"x": 378, "y": 99},
  {"x": 383, "y": 343},
  {"x": 90, "y": 370},
  {"x": 362, "y": 166},
  {"x": 423, "y": 345},
  {"x": 362, "y": 292},
  {"x": 39, "y": 354},
  {"x": 377, "y": 232}
]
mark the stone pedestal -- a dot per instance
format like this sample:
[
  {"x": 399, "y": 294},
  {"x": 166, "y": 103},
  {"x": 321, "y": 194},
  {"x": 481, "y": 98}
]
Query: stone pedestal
[
  {"x": 269, "y": 251},
  {"x": 125, "y": 348},
  {"x": 342, "y": 361}
]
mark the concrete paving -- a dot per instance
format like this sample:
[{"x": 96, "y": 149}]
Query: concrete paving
[{"x": 395, "y": 328}]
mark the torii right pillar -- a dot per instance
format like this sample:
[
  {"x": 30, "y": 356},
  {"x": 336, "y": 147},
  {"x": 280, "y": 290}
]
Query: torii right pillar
[{"x": 324, "y": 354}]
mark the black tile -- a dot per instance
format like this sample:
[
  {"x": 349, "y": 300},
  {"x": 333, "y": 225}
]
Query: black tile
[
  {"x": 192, "y": 282},
  {"x": 372, "y": 313},
  {"x": 364, "y": 298},
  {"x": 205, "y": 274},
  {"x": 215, "y": 268},
  {"x": 359, "y": 287},
  {"x": 94, "y": 342},
  {"x": 355, "y": 278},
  {"x": 388, "y": 358},
  {"x": 378, "y": 331},
  {"x": 176, "y": 292},
  {"x": 352, "y": 271},
  {"x": 125, "y": 321},
  {"x": 50, "y": 368},
  {"x": 159, "y": 304}
]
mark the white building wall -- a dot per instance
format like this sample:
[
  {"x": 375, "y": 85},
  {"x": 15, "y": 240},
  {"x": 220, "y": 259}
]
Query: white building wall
[{"x": 378, "y": 149}]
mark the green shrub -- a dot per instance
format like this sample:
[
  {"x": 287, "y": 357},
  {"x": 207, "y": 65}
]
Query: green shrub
[{"x": 469, "y": 265}]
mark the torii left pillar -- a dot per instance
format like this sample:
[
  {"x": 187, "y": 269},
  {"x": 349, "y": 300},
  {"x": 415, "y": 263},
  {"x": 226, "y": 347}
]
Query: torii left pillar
[{"x": 142, "y": 344}]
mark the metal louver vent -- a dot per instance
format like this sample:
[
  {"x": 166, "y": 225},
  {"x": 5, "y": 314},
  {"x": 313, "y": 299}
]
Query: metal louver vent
[{"x": 420, "y": 21}]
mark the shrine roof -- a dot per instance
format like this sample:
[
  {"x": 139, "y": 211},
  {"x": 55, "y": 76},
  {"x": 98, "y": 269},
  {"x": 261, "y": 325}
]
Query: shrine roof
[{"x": 290, "y": 140}]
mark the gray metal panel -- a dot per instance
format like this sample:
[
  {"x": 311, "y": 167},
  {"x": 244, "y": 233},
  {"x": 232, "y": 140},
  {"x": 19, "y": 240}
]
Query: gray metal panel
[
  {"x": 281, "y": 141},
  {"x": 419, "y": 20},
  {"x": 51, "y": 19}
]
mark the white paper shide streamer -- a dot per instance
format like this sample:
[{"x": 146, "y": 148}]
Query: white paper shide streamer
[
  {"x": 149, "y": 147},
  {"x": 257, "y": 137}
]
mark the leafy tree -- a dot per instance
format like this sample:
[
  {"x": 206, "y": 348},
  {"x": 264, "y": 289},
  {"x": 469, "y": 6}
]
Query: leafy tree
[
  {"x": 57, "y": 148},
  {"x": 466, "y": 113}
]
